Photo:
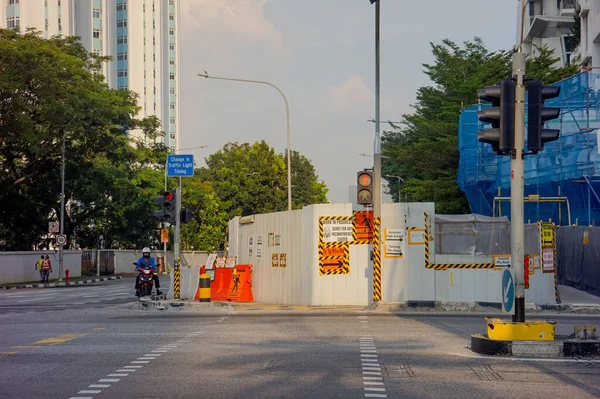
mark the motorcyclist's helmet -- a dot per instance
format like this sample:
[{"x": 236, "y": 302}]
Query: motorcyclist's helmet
[{"x": 145, "y": 251}]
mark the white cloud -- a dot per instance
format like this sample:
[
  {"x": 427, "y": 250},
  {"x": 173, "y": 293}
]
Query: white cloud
[
  {"x": 352, "y": 94},
  {"x": 240, "y": 19}
]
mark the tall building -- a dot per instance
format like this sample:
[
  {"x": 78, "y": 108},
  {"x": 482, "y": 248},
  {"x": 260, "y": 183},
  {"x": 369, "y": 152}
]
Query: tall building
[
  {"x": 141, "y": 36},
  {"x": 550, "y": 22},
  {"x": 588, "y": 51}
]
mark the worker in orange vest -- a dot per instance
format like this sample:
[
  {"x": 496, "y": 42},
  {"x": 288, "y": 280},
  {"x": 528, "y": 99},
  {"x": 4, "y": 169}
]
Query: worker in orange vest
[{"x": 47, "y": 268}]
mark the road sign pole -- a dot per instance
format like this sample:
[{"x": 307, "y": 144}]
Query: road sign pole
[
  {"x": 176, "y": 261},
  {"x": 517, "y": 224}
]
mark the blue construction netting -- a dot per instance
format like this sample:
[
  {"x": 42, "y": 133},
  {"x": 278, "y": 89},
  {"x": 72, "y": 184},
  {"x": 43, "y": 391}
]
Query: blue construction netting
[{"x": 568, "y": 167}]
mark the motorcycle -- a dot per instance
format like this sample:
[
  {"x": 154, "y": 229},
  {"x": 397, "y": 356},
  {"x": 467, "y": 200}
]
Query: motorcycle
[{"x": 146, "y": 281}]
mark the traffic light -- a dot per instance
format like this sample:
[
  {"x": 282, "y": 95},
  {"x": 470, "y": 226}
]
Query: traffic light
[
  {"x": 364, "y": 191},
  {"x": 160, "y": 215},
  {"x": 186, "y": 216},
  {"x": 537, "y": 136},
  {"x": 169, "y": 206},
  {"x": 501, "y": 115}
]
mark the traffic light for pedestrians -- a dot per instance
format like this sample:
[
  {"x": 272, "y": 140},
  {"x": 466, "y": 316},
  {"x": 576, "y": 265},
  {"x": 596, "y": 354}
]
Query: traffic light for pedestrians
[
  {"x": 537, "y": 136},
  {"x": 364, "y": 188},
  {"x": 501, "y": 115},
  {"x": 169, "y": 206}
]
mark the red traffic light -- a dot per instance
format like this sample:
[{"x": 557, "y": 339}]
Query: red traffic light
[
  {"x": 168, "y": 195},
  {"x": 364, "y": 179}
]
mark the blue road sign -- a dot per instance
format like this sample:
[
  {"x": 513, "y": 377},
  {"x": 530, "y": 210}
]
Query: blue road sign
[
  {"x": 180, "y": 165},
  {"x": 508, "y": 291}
]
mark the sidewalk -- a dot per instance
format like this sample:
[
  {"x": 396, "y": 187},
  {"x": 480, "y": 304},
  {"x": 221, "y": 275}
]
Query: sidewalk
[
  {"x": 573, "y": 296},
  {"x": 75, "y": 281}
]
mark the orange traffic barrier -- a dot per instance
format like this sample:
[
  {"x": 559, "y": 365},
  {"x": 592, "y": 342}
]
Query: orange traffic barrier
[
  {"x": 219, "y": 287},
  {"x": 240, "y": 285}
]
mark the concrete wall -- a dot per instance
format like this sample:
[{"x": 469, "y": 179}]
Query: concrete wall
[
  {"x": 404, "y": 278},
  {"x": 17, "y": 267}
]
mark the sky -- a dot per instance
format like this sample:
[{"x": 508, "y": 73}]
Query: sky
[{"x": 321, "y": 54}]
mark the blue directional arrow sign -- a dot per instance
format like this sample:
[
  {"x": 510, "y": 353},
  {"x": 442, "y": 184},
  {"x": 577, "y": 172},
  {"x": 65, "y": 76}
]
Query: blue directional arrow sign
[
  {"x": 508, "y": 291},
  {"x": 179, "y": 165}
]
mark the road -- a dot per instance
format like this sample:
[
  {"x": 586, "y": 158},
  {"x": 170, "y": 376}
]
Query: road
[{"x": 100, "y": 349}]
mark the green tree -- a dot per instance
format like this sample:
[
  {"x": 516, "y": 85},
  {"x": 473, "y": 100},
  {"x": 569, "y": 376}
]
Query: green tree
[
  {"x": 51, "y": 90},
  {"x": 307, "y": 189},
  {"x": 207, "y": 230},
  {"x": 423, "y": 150},
  {"x": 248, "y": 179}
]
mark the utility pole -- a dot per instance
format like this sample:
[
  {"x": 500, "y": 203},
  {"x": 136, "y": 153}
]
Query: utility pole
[
  {"x": 62, "y": 208},
  {"x": 517, "y": 224},
  {"x": 377, "y": 200}
]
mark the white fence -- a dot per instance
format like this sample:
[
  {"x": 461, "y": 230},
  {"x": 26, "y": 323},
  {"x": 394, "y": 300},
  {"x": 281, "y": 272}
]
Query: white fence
[{"x": 258, "y": 239}]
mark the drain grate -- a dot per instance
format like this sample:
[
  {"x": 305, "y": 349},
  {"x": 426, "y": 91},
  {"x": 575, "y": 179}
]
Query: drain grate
[{"x": 486, "y": 373}]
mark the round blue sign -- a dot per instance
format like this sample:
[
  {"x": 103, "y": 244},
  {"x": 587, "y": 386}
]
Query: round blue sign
[{"x": 508, "y": 291}]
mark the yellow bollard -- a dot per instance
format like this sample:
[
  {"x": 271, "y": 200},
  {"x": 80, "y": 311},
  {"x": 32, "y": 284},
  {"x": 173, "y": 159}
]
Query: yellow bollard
[{"x": 204, "y": 288}]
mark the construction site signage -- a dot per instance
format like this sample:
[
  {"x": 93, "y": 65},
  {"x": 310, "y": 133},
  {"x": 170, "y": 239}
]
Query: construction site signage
[
  {"x": 335, "y": 230},
  {"x": 363, "y": 226}
]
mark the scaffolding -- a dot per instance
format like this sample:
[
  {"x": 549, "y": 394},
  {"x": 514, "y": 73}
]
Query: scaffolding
[{"x": 568, "y": 168}]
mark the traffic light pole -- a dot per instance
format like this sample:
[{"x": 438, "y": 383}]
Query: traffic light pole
[
  {"x": 517, "y": 227},
  {"x": 377, "y": 197},
  {"x": 177, "y": 238}
]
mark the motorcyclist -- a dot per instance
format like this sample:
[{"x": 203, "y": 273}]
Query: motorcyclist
[{"x": 146, "y": 262}]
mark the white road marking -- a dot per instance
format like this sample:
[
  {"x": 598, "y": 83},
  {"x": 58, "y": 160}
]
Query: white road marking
[
  {"x": 371, "y": 367},
  {"x": 99, "y": 386},
  {"x": 153, "y": 354},
  {"x": 132, "y": 367},
  {"x": 140, "y": 362},
  {"x": 117, "y": 375},
  {"x": 81, "y": 397},
  {"x": 90, "y": 391},
  {"x": 125, "y": 370}
]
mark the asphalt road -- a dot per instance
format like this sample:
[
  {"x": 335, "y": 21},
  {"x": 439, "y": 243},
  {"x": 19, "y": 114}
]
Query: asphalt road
[{"x": 101, "y": 349}]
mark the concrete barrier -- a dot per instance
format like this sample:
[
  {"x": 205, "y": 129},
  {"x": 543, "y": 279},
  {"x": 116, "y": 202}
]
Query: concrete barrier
[{"x": 18, "y": 267}]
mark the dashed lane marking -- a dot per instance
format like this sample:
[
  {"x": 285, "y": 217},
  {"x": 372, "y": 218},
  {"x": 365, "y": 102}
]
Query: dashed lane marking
[
  {"x": 109, "y": 380},
  {"x": 373, "y": 383},
  {"x": 99, "y": 386}
]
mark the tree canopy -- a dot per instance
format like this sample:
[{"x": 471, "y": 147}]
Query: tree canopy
[
  {"x": 51, "y": 92},
  {"x": 423, "y": 150}
]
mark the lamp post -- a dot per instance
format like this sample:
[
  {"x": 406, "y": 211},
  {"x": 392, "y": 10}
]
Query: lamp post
[
  {"x": 287, "y": 115},
  {"x": 62, "y": 199}
]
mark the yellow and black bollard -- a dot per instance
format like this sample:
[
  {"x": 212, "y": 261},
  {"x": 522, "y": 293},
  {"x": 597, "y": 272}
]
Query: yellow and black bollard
[{"x": 204, "y": 288}]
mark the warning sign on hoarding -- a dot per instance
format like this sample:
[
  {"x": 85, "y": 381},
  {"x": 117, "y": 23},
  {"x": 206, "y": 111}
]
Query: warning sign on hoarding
[
  {"x": 337, "y": 230},
  {"x": 364, "y": 225},
  {"x": 547, "y": 260}
]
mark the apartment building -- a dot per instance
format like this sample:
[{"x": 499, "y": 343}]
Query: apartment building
[
  {"x": 141, "y": 36},
  {"x": 550, "y": 23}
]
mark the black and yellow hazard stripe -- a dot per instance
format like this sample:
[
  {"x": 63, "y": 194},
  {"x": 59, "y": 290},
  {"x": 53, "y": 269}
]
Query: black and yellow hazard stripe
[
  {"x": 556, "y": 293},
  {"x": 337, "y": 244},
  {"x": 176, "y": 283},
  {"x": 376, "y": 262},
  {"x": 328, "y": 270},
  {"x": 446, "y": 266}
]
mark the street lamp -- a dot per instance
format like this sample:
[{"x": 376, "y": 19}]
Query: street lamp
[
  {"x": 287, "y": 115},
  {"x": 62, "y": 199}
]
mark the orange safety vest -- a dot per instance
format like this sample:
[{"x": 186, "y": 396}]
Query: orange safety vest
[{"x": 46, "y": 264}]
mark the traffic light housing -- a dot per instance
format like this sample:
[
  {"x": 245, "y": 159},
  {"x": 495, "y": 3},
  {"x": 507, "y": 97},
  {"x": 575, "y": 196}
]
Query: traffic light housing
[
  {"x": 169, "y": 205},
  {"x": 501, "y": 115},
  {"x": 537, "y": 136},
  {"x": 364, "y": 188},
  {"x": 160, "y": 215},
  {"x": 186, "y": 216}
]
